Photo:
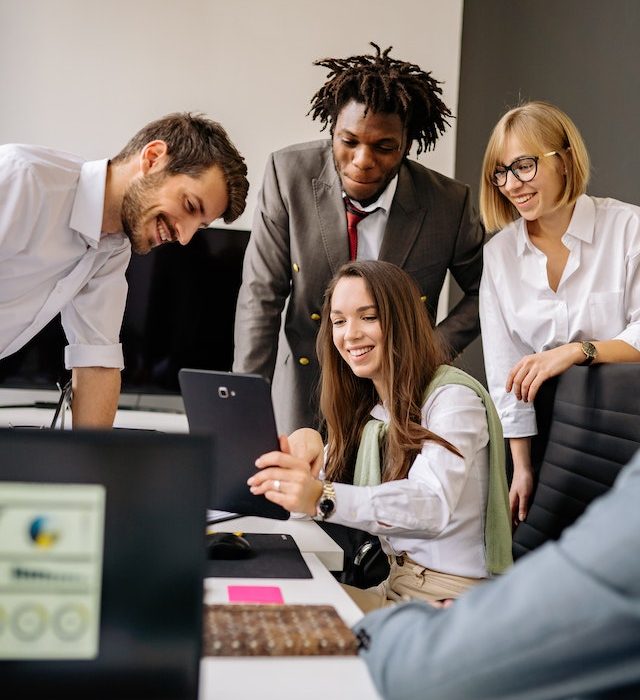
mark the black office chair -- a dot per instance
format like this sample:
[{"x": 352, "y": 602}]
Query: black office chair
[{"x": 594, "y": 432}]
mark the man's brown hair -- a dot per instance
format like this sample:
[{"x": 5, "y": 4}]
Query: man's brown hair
[{"x": 195, "y": 144}]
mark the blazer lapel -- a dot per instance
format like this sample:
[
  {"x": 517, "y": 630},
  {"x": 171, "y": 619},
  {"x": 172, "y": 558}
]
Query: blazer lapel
[
  {"x": 327, "y": 195},
  {"x": 404, "y": 223}
]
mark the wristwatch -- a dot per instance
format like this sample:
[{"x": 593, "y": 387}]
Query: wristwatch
[
  {"x": 590, "y": 352},
  {"x": 327, "y": 502}
]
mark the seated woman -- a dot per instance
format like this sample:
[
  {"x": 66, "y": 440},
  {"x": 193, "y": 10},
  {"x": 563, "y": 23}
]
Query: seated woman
[
  {"x": 561, "y": 280},
  {"x": 426, "y": 474}
]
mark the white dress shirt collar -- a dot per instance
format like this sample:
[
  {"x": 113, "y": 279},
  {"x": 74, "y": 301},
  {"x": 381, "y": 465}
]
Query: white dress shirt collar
[
  {"x": 88, "y": 205},
  {"x": 384, "y": 200},
  {"x": 380, "y": 413},
  {"x": 581, "y": 226},
  {"x": 583, "y": 220},
  {"x": 371, "y": 229}
]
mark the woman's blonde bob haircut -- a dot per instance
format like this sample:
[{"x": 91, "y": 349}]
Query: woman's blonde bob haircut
[{"x": 539, "y": 127}]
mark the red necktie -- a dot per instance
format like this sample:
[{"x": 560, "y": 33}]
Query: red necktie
[{"x": 354, "y": 217}]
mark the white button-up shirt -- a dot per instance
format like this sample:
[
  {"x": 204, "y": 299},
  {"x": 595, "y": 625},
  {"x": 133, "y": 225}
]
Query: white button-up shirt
[
  {"x": 53, "y": 258},
  {"x": 437, "y": 514},
  {"x": 598, "y": 297},
  {"x": 371, "y": 229}
]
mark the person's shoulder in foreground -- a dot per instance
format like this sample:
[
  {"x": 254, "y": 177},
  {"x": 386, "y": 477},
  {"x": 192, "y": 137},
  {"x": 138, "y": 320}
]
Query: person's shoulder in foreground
[{"x": 564, "y": 622}]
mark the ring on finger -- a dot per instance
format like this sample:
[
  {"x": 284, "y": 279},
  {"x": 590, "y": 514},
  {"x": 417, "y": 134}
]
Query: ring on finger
[{"x": 276, "y": 484}]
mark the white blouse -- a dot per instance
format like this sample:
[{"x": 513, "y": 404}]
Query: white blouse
[
  {"x": 598, "y": 297},
  {"x": 437, "y": 514}
]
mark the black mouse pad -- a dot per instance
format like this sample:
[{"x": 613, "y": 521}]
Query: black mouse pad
[{"x": 273, "y": 556}]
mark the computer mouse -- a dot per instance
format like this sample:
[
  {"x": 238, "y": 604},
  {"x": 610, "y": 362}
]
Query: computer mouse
[{"x": 227, "y": 545}]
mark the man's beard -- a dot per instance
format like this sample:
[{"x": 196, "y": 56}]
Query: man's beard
[{"x": 136, "y": 202}]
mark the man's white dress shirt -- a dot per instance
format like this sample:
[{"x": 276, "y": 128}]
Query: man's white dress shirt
[
  {"x": 371, "y": 229},
  {"x": 437, "y": 514},
  {"x": 53, "y": 258},
  {"x": 598, "y": 297}
]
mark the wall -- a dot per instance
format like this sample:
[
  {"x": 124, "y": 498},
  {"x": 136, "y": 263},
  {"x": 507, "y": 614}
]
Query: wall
[
  {"x": 84, "y": 75},
  {"x": 583, "y": 55}
]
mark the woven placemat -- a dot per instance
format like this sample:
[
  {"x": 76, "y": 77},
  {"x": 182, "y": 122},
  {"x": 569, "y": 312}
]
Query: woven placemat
[{"x": 276, "y": 630}]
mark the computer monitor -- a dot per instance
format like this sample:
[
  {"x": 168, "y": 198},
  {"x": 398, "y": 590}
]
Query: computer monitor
[
  {"x": 102, "y": 555},
  {"x": 180, "y": 312}
]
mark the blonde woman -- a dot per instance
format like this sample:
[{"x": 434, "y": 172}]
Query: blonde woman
[{"x": 561, "y": 279}]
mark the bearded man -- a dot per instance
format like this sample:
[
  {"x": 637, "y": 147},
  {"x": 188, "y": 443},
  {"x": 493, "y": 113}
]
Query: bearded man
[{"x": 67, "y": 228}]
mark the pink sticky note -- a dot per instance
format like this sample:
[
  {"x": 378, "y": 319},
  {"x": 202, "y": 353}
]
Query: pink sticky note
[{"x": 255, "y": 594}]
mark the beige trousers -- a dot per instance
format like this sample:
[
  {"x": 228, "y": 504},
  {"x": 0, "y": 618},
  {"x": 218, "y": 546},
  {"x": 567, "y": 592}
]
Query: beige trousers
[{"x": 408, "y": 580}]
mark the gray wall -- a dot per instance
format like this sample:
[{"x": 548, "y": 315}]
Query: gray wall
[{"x": 582, "y": 55}]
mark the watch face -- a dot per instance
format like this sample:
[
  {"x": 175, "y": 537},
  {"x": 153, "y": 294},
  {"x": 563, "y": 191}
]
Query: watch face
[
  {"x": 326, "y": 506},
  {"x": 590, "y": 352}
]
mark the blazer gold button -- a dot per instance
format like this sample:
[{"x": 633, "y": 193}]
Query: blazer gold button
[
  {"x": 304, "y": 360},
  {"x": 423, "y": 298},
  {"x": 296, "y": 267},
  {"x": 315, "y": 317}
]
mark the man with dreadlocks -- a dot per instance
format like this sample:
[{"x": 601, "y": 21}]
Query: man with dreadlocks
[{"x": 355, "y": 196}]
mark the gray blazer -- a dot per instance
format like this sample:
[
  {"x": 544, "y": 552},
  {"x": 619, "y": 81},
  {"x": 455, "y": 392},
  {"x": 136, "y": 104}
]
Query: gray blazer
[
  {"x": 563, "y": 622},
  {"x": 298, "y": 242}
]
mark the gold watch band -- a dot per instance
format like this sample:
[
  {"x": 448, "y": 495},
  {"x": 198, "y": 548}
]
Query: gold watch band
[{"x": 327, "y": 502}]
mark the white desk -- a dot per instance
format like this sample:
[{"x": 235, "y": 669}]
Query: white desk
[
  {"x": 309, "y": 537},
  {"x": 264, "y": 678},
  {"x": 36, "y": 417},
  {"x": 280, "y": 678}
]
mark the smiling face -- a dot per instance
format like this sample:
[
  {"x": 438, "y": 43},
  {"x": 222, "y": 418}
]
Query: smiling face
[
  {"x": 158, "y": 207},
  {"x": 367, "y": 150},
  {"x": 536, "y": 200},
  {"x": 356, "y": 330}
]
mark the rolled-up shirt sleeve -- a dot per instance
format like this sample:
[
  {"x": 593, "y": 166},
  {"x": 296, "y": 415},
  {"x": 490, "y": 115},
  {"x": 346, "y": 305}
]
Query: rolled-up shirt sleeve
[
  {"x": 423, "y": 503},
  {"x": 631, "y": 334},
  {"x": 93, "y": 318}
]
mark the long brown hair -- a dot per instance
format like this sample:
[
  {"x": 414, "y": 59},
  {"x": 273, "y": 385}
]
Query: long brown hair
[{"x": 412, "y": 353}]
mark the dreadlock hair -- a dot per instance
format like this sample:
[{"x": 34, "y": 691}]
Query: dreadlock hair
[{"x": 385, "y": 85}]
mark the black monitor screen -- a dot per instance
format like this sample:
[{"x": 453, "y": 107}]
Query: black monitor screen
[
  {"x": 133, "y": 632},
  {"x": 180, "y": 312}
]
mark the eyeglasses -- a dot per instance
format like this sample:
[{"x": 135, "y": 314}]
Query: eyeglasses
[{"x": 523, "y": 169}]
